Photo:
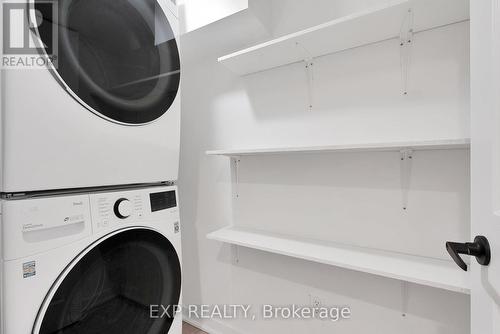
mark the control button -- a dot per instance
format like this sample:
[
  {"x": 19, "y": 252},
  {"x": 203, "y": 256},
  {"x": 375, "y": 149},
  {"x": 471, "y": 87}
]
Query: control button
[{"x": 123, "y": 208}]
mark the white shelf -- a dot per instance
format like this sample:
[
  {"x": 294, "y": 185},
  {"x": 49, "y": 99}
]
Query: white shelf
[
  {"x": 375, "y": 25},
  {"x": 444, "y": 144},
  {"x": 420, "y": 270}
]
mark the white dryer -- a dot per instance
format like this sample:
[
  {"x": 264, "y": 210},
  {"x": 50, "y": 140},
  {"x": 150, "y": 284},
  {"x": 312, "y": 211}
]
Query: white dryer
[
  {"x": 106, "y": 110},
  {"x": 92, "y": 263}
]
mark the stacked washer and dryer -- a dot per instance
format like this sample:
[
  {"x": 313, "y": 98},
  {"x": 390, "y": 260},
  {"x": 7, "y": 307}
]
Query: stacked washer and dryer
[{"x": 90, "y": 234}]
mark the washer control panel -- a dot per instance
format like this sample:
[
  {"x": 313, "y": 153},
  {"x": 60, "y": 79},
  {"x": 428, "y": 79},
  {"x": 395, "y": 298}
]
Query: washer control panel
[{"x": 126, "y": 207}]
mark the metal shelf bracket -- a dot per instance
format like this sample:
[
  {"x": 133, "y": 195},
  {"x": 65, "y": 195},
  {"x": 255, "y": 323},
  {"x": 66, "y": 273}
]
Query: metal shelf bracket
[
  {"x": 235, "y": 161},
  {"x": 235, "y": 251},
  {"x": 310, "y": 82},
  {"x": 406, "y": 42},
  {"x": 309, "y": 65},
  {"x": 404, "y": 298},
  {"x": 406, "y": 165}
]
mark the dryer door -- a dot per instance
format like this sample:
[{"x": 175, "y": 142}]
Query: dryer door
[
  {"x": 118, "y": 58},
  {"x": 113, "y": 286}
]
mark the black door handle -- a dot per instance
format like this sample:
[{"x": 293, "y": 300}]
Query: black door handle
[{"x": 480, "y": 248}]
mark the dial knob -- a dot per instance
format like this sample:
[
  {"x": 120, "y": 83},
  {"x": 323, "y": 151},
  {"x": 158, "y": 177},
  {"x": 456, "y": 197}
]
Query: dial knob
[{"x": 123, "y": 208}]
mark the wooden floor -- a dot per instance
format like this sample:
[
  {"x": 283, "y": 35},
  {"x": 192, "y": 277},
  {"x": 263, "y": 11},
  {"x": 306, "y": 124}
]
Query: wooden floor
[{"x": 188, "y": 329}]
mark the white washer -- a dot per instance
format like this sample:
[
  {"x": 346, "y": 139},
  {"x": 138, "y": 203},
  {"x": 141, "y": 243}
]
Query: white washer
[
  {"x": 92, "y": 263},
  {"x": 108, "y": 111}
]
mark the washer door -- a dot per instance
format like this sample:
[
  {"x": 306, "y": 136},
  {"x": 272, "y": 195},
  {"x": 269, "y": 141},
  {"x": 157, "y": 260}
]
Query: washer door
[
  {"x": 110, "y": 288},
  {"x": 118, "y": 58}
]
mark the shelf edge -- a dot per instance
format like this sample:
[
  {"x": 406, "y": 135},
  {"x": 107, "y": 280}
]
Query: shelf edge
[
  {"x": 312, "y": 29},
  {"x": 450, "y": 287},
  {"x": 463, "y": 143}
]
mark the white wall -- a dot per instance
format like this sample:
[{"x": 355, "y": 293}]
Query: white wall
[
  {"x": 357, "y": 98},
  {"x": 292, "y": 15},
  {"x": 198, "y": 13}
]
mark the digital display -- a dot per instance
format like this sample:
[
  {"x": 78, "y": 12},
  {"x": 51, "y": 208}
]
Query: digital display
[{"x": 162, "y": 201}]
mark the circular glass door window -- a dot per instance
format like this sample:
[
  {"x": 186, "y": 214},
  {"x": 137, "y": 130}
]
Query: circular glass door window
[
  {"x": 114, "y": 286},
  {"x": 118, "y": 58}
]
